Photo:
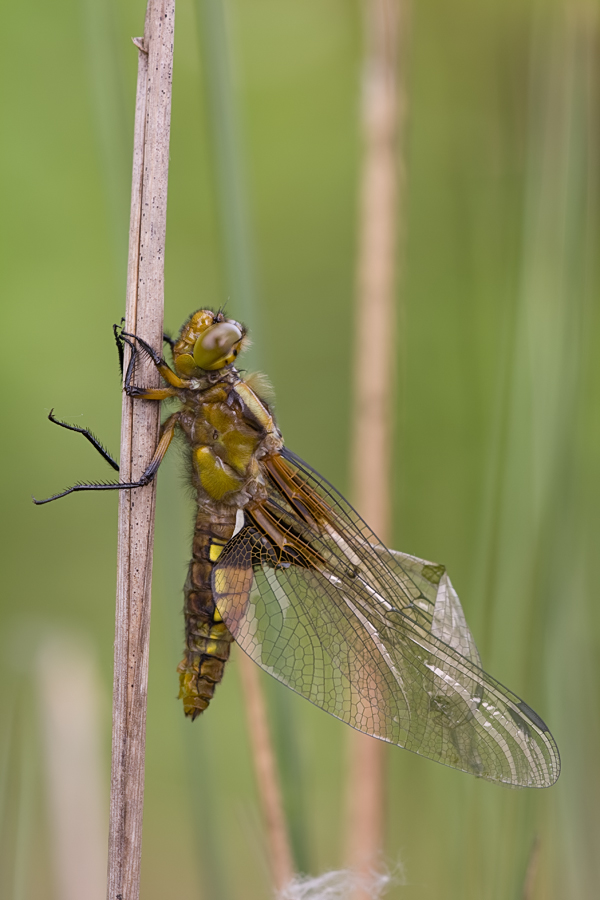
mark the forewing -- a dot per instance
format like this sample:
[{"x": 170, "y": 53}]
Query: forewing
[{"x": 375, "y": 637}]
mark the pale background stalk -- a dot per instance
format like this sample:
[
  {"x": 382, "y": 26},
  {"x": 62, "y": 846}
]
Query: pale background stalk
[
  {"x": 267, "y": 776},
  {"x": 73, "y": 720},
  {"x": 375, "y": 368}
]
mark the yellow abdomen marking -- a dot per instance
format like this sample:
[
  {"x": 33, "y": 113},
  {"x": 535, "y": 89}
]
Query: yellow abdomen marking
[{"x": 215, "y": 550}]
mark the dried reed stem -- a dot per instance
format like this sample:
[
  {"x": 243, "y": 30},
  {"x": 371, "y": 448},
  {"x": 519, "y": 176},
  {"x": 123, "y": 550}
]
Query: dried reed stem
[
  {"x": 374, "y": 372},
  {"x": 267, "y": 777},
  {"x": 139, "y": 432}
]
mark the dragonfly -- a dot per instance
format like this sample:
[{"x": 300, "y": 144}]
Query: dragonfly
[{"x": 284, "y": 566}]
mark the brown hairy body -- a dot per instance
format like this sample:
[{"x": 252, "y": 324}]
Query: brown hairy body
[{"x": 229, "y": 431}]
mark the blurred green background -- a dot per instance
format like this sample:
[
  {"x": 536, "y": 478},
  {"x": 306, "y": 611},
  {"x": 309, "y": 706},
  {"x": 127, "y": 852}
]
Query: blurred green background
[{"x": 498, "y": 432}]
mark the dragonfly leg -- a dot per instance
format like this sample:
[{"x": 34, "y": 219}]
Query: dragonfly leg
[
  {"x": 89, "y": 437},
  {"x": 166, "y": 436},
  {"x": 119, "y": 343},
  {"x": 167, "y": 339},
  {"x": 140, "y": 393},
  {"x": 165, "y": 371},
  {"x": 133, "y": 390}
]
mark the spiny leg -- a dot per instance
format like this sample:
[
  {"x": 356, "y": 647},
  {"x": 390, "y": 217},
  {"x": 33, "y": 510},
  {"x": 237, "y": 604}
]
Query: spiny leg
[
  {"x": 89, "y": 437},
  {"x": 166, "y": 436},
  {"x": 133, "y": 390},
  {"x": 119, "y": 343},
  {"x": 165, "y": 371},
  {"x": 167, "y": 339}
]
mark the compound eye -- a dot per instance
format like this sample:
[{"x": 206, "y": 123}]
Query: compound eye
[{"x": 215, "y": 344}]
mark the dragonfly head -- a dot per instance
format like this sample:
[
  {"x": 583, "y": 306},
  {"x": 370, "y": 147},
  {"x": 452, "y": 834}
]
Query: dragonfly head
[{"x": 208, "y": 341}]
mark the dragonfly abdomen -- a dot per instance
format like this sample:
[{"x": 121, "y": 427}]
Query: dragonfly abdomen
[{"x": 208, "y": 640}]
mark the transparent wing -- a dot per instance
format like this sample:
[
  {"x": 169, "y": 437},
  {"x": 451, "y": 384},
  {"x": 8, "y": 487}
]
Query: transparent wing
[{"x": 375, "y": 637}]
